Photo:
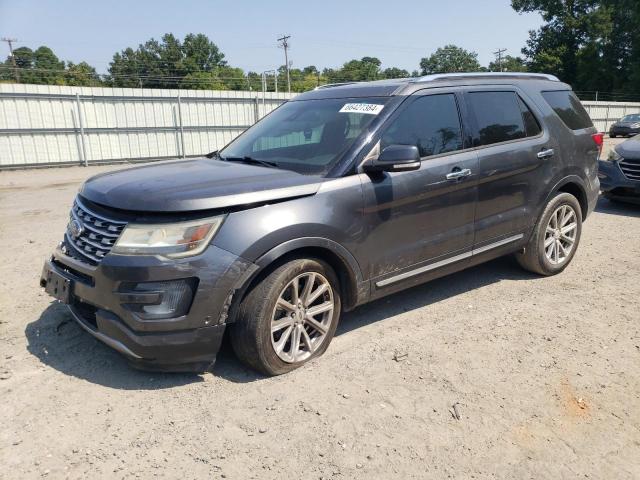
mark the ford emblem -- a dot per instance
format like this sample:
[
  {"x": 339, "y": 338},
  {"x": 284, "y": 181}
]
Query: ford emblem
[{"x": 75, "y": 228}]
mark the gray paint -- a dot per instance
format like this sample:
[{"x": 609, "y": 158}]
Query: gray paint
[
  {"x": 201, "y": 184},
  {"x": 629, "y": 149}
]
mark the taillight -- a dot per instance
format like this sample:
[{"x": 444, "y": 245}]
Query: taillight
[{"x": 598, "y": 139}]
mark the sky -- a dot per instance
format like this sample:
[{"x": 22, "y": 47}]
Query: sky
[{"x": 324, "y": 34}]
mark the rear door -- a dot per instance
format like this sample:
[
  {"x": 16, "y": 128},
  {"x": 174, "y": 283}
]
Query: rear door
[
  {"x": 421, "y": 216},
  {"x": 514, "y": 152}
]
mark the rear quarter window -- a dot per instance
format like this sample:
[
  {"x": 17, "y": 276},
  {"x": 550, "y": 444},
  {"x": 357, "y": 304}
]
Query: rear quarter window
[{"x": 568, "y": 108}]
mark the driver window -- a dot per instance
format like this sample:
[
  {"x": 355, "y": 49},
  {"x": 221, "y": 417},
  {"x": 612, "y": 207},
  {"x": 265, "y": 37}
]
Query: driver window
[{"x": 431, "y": 123}]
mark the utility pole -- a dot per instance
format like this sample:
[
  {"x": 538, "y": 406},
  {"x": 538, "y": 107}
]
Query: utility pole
[
  {"x": 285, "y": 44},
  {"x": 13, "y": 59},
  {"x": 498, "y": 55}
]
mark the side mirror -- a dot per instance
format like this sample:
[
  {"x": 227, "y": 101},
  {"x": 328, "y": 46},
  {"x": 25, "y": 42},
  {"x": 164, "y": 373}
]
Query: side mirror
[{"x": 395, "y": 158}]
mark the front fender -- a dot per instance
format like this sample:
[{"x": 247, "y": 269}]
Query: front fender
[
  {"x": 329, "y": 222},
  {"x": 313, "y": 242}
]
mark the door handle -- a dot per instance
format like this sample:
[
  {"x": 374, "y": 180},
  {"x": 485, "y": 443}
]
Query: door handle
[
  {"x": 546, "y": 153},
  {"x": 456, "y": 174}
]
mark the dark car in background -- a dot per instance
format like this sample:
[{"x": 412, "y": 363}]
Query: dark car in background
[
  {"x": 627, "y": 126},
  {"x": 619, "y": 173},
  {"x": 339, "y": 197}
]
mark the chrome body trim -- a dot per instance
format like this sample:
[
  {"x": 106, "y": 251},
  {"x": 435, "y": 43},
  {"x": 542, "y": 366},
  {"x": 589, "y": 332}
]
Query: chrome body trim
[{"x": 448, "y": 261}]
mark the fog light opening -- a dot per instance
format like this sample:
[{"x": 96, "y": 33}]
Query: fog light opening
[{"x": 172, "y": 299}]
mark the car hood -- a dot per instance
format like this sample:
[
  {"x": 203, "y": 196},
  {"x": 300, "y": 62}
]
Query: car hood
[
  {"x": 200, "y": 184},
  {"x": 625, "y": 124},
  {"x": 629, "y": 149}
]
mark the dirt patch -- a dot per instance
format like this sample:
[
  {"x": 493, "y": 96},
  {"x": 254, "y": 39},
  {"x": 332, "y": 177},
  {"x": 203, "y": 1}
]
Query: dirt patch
[{"x": 573, "y": 404}]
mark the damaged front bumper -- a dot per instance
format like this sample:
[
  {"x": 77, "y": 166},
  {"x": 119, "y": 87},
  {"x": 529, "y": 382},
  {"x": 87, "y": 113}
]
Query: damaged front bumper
[{"x": 160, "y": 314}]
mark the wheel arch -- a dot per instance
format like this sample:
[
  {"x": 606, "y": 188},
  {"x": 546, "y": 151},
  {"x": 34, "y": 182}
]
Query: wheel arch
[
  {"x": 353, "y": 289},
  {"x": 574, "y": 185}
]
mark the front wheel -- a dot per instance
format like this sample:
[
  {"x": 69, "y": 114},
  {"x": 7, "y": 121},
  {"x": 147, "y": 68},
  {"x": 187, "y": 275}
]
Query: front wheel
[
  {"x": 556, "y": 237},
  {"x": 288, "y": 318}
]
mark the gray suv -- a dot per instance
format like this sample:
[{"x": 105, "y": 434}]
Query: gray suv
[{"x": 339, "y": 197}]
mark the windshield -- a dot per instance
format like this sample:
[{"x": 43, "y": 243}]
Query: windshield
[
  {"x": 632, "y": 118},
  {"x": 308, "y": 136}
]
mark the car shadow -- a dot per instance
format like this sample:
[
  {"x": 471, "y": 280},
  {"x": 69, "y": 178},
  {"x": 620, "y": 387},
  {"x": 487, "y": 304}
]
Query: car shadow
[
  {"x": 617, "y": 208},
  {"x": 60, "y": 343},
  {"x": 430, "y": 293}
]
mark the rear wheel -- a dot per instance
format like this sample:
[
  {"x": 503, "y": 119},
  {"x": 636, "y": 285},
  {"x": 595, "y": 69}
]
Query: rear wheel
[
  {"x": 556, "y": 237},
  {"x": 288, "y": 318}
]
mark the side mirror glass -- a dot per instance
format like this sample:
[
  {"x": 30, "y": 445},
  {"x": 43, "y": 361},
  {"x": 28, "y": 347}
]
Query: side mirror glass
[{"x": 395, "y": 158}]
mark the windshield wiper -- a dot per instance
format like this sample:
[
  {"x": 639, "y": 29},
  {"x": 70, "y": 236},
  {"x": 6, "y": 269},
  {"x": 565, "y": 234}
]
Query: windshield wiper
[{"x": 249, "y": 160}]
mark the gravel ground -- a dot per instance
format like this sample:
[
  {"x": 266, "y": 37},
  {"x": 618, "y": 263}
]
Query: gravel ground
[{"x": 543, "y": 373}]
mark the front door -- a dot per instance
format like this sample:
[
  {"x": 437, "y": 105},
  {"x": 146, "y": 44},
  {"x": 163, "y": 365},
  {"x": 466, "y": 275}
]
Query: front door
[{"x": 418, "y": 217}]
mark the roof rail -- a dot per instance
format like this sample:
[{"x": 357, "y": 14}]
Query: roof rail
[
  {"x": 524, "y": 75},
  {"x": 331, "y": 85}
]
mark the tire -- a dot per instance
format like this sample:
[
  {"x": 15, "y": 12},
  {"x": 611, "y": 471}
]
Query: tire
[
  {"x": 535, "y": 257},
  {"x": 251, "y": 334},
  {"x": 612, "y": 135}
]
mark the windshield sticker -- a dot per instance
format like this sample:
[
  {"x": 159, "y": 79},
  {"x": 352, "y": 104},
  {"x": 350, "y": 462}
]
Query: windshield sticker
[{"x": 368, "y": 108}]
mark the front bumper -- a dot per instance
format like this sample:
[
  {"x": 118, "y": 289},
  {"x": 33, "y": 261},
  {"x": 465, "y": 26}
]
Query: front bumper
[
  {"x": 614, "y": 184},
  {"x": 100, "y": 300}
]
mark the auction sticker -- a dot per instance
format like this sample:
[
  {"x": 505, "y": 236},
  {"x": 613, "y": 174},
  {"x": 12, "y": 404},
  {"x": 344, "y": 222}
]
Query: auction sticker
[{"x": 368, "y": 108}]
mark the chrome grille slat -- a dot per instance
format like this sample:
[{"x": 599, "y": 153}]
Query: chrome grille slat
[
  {"x": 97, "y": 235},
  {"x": 93, "y": 229},
  {"x": 80, "y": 250},
  {"x": 630, "y": 169},
  {"x": 627, "y": 166}
]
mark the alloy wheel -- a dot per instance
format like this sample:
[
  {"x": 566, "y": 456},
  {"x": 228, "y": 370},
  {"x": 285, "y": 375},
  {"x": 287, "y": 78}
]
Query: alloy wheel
[
  {"x": 302, "y": 317},
  {"x": 560, "y": 234}
]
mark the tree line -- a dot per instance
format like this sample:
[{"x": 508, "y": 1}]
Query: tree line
[
  {"x": 197, "y": 63},
  {"x": 592, "y": 44}
]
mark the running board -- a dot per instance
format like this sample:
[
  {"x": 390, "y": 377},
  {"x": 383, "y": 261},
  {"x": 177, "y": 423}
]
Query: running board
[{"x": 447, "y": 261}]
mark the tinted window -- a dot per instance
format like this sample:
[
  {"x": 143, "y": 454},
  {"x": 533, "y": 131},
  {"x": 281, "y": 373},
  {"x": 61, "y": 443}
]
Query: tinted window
[
  {"x": 431, "y": 123},
  {"x": 569, "y": 109},
  {"x": 498, "y": 117},
  {"x": 631, "y": 118},
  {"x": 531, "y": 125}
]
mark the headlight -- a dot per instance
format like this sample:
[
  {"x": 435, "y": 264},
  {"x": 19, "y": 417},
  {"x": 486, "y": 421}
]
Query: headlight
[
  {"x": 170, "y": 240},
  {"x": 613, "y": 156}
]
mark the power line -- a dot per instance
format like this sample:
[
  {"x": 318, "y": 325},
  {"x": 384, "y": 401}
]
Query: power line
[
  {"x": 13, "y": 58},
  {"x": 285, "y": 44},
  {"x": 498, "y": 55}
]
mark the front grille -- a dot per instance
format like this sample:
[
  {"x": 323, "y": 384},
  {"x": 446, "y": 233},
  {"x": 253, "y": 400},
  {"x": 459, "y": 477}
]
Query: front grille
[
  {"x": 95, "y": 237},
  {"x": 630, "y": 168}
]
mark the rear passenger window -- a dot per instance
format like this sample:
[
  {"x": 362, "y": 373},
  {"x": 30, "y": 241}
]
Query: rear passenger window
[
  {"x": 431, "y": 123},
  {"x": 498, "y": 116},
  {"x": 531, "y": 125},
  {"x": 569, "y": 109}
]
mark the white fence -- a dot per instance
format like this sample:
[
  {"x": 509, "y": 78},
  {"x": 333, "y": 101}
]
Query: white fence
[
  {"x": 57, "y": 125},
  {"x": 603, "y": 114}
]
